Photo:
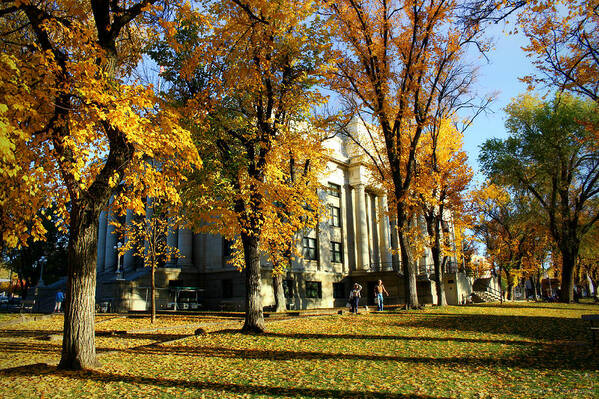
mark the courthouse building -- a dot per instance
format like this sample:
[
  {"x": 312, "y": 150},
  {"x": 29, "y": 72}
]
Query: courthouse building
[{"x": 353, "y": 244}]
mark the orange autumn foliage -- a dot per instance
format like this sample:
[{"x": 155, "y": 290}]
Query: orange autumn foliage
[
  {"x": 395, "y": 58},
  {"x": 77, "y": 130},
  {"x": 256, "y": 66}
]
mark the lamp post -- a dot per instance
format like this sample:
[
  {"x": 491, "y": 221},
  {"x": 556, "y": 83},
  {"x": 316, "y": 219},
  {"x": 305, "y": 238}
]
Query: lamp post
[
  {"x": 41, "y": 262},
  {"x": 118, "y": 261}
]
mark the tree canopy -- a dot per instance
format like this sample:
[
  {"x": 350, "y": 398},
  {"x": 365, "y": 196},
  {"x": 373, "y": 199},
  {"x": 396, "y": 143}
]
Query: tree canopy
[
  {"x": 551, "y": 154},
  {"x": 246, "y": 76}
]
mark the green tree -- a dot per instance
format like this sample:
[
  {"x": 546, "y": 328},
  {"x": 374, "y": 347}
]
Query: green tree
[{"x": 551, "y": 154}]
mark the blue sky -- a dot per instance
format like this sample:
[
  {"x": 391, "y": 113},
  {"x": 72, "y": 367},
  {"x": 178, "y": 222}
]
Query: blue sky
[{"x": 507, "y": 62}]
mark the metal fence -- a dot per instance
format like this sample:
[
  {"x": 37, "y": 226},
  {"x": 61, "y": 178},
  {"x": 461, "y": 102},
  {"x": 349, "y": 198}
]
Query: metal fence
[{"x": 422, "y": 269}]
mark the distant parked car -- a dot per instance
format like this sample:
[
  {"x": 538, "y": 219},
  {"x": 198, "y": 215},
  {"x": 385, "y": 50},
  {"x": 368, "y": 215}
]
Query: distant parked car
[{"x": 14, "y": 304}]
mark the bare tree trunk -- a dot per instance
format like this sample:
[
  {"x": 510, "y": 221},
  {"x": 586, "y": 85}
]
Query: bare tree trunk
[
  {"x": 280, "y": 301},
  {"x": 254, "y": 315},
  {"x": 500, "y": 285},
  {"x": 78, "y": 343},
  {"x": 153, "y": 289}
]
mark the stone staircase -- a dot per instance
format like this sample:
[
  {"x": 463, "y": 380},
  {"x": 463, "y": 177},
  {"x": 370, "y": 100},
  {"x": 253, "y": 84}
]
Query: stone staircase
[{"x": 485, "y": 296}]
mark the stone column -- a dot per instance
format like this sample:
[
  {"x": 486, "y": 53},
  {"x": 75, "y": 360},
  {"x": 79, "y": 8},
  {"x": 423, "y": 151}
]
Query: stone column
[
  {"x": 173, "y": 242},
  {"x": 110, "y": 254},
  {"x": 354, "y": 230},
  {"x": 362, "y": 229},
  {"x": 128, "y": 261},
  {"x": 370, "y": 223},
  {"x": 199, "y": 259},
  {"x": 185, "y": 245},
  {"x": 101, "y": 242},
  {"x": 343, "y": 216},
  {"x": 384, "y": 233}
]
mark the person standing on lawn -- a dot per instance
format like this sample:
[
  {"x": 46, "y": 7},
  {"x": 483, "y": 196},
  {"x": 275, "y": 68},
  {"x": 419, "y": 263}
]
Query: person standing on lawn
[
  {"x": 378, "y": 292},
  {"x": 58, "y": 301},
  {"x": 354, "y": 297}
]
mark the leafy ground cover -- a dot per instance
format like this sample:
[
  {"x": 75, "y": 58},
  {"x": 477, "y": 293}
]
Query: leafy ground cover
[
  {"x": 510, "y": 350},
  {"x": 5, "y": 317}
]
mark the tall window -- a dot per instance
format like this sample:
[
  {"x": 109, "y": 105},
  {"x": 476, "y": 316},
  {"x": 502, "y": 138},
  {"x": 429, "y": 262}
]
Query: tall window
[
  {"x": 335, "y": 216},
  {"x": 310, "y": 250},
  {"x": 313, "y": 289},
  {"x": 336, "y": 251},
  {"x": 334, "y": 190}
]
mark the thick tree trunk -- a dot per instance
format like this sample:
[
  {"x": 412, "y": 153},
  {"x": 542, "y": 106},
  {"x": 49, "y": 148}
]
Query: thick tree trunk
[
  {"x": 254, "y": 315},
  {"x": 407, "y": 263},
  {"x": 510, "y": 285},
  {"x": 569, "y": 252},
  {"x": 280, "y": 301},
  {"x": 441, "y": 299},
  {"x": 433, "y": 226},
  {"x": 535, "y": 293},
  {"x": 78, "y": 344},
  {"x": 409, "y": 270},
  {"x": 594, "y": 287}
]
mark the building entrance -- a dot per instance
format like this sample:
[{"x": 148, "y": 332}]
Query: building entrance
[{"x": 370, "y": 292}]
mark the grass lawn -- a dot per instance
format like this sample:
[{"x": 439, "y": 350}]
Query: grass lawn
[{"x": 514, "y": 350}]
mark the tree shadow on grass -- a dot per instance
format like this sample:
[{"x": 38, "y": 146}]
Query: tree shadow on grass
[
  {"x": 27, "y": 333},
  {"x": 104, "y": 377},
  {"x": 28, "y": 347},
  {"x": 148, "y": 336},
  {"x": 533, "y": 327},
  {"x": 535, "y": 305},
  {"x": 545, "y": 357},
  {"x": 383, "y": 337},
  {"x": 124, "y": 334}
]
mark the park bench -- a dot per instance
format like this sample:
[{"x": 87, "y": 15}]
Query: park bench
[
  {"x": 27, "y": 305},
  {"x": 592, "y": 318}
]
